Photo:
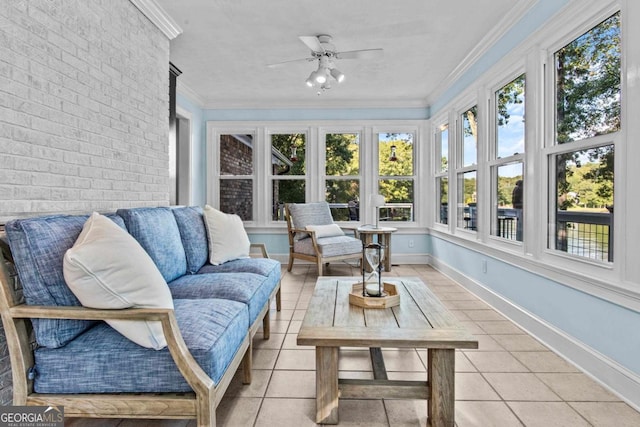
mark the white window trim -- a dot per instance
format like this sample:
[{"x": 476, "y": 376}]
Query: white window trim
[
  {"x": 315, "y": 171},
  {"x": 618, "y": 284}
]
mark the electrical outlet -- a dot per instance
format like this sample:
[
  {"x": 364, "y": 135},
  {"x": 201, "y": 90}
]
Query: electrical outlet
[{"x": 411, "y": 243}]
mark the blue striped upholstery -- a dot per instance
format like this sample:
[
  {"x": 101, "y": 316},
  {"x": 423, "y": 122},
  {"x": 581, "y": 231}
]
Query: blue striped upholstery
[
  {"x": 194, "y": 236},
  {"x": 157, "y": 232},
  {"x": 248, "y": 288},
  {"x": 38, "y": 246},
  {"x": 329, "y": 246},
  {"x": 102, "y": 361}
]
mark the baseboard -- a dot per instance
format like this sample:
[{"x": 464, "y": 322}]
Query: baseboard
[{"x": 610, "y": 374}]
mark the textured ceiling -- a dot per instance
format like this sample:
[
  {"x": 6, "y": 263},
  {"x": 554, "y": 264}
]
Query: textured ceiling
[{"x": 226, "y": 45}]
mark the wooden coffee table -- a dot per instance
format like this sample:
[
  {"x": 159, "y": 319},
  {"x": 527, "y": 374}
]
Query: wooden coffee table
[{"x": 420, "y": 321}]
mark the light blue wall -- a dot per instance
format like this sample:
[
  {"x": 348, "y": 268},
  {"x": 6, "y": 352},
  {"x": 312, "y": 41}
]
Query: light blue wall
[{"x": 608, "y": 328}]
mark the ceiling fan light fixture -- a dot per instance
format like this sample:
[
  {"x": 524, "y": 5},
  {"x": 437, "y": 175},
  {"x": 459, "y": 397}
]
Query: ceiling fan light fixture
[
  {"x": 321, "y": 76},
  {"x": 310, "y": 80},
  {"x": 337, "y": 74}
]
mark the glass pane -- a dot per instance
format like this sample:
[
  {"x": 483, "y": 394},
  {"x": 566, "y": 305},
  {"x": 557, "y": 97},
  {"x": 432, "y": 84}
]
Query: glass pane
[
  {"x": 236, "y": 154},
  {"x": 510, "y": 187},
  {"x": 442, "y": 148},
  {"x": 236, "y": 197},
  {"x": 588, "y": 83},
  {"x": 470, "y": 136},
  {"x": 288, "y": 154},
  {"x": 343, "y": 198},
  {"x": 395, "y": 154},
  {"x": 286, "y": 191},
  {"x": 467, "y": 209},
  {"x": 398, "y": 194},
  {"x": 584, "y": 203},
  {"x": 342, "y": 154},
  {"x": 510, "y": 118},
  {"x": 442, "y": 187}
]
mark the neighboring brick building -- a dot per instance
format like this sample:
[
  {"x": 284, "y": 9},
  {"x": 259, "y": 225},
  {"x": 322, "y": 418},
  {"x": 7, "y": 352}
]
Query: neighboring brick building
[
  {"x": 84, "y": 105},
  {"x": 236, "y": 158}
]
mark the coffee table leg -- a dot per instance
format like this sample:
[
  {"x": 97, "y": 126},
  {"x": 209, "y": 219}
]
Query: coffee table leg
[
  {"x": 440, "y": 411},
  {"x": 327, "y": 385}
]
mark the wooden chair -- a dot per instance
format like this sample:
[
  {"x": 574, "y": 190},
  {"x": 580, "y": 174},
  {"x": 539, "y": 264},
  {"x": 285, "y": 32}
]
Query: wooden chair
[{"x": 316, "y": 246}]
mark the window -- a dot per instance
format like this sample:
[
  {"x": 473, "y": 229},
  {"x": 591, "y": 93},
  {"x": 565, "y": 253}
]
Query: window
[
  {"x": 581, "y": 160},
  {"x": 288, "y": 170},
  {"x": 507, "y": 166},
  {"x": 441, "y": 167},
  {"x": 342, "y": 169},
  {"x": 467, "y": 213},
  {"x": 396, "y": 176},
  {"x": 236, "y": 174}
]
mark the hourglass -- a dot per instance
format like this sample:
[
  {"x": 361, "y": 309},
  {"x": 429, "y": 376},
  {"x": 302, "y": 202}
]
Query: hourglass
[{"x": 374, "y": 255}]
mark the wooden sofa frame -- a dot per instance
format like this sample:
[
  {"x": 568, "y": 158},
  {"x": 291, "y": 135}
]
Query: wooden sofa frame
[
  {"x": 200, "y": 404},
  {"x": 318, "y": 259}
]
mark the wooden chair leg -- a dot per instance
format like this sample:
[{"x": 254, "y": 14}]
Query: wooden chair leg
[
  {"x": 320, "y": 263},
  {"x": 247, "y": 362},
  {"x": 279, "y": 300},
  {"x": 266, "y": 325},
  {"x": 290, "y": 262}
]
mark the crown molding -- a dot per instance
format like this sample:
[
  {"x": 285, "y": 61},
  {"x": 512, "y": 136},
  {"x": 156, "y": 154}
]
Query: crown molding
[
  {"x": 506, "y": 23},
  {"x": 158, "y": 17},
  {"x": 316, "y": 103},
  {"x": 190, "y": 94}
]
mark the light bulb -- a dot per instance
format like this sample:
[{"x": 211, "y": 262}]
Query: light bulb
[{"x": 337, "y": 74}]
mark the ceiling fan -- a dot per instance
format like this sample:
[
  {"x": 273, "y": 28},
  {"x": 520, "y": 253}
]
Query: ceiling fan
[{"x": 323, "y": 51}]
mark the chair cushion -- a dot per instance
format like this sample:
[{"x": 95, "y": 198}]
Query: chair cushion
[
  {"x": 107, "y": 268},
  {"x": 212, "y": 329},
  {"x": 328, "y": 230},
  {"x": 157, "y": 231},
  {"x": 248, "y": 288},
  {"x": 193, "y": 233},
  {"x": 329, "y": 246},
  {"x": 303, "y": 214},
  {"x": 228, "y": 239},
  {"x": 261, "y": 266},
  {"x": 38, "y": 246}
]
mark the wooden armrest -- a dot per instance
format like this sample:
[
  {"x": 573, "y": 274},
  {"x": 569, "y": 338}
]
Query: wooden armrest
[
  {"x": 262, "y": 247},
  {"x": 24, "y": 311}
]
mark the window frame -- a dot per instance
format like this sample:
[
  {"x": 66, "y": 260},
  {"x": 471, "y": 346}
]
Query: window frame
[
  {"x": 315, "y": 170},
  {"x": 494, "y": 163},
  {"x": 439, "y": 174},
  {"x": 375, "y": 184},
  {"x": 551, "y": 148},
  {"x": 459, "y": 169}
]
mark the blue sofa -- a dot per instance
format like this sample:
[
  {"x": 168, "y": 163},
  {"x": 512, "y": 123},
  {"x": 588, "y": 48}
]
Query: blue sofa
[{"x": 79, "y": 359}]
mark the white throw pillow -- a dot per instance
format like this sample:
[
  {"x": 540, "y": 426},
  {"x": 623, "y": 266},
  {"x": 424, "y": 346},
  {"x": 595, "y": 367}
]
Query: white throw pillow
[
  {"x": 107, "y": 268},
  {"x": 329, "y": 230},
  {"x": 228, "y": 239}
]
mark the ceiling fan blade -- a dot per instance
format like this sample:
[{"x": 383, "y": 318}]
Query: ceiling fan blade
[
  {"x": 360, "y": 54},
  {"x": 278, "y": 64},
  {"x": 312, "y": 43}
]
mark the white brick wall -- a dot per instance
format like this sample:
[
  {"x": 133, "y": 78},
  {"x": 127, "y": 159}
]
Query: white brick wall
[{"x": 83, "y": 108}]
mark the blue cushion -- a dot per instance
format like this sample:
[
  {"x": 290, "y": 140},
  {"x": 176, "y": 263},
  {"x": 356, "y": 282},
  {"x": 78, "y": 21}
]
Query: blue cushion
[
  {"x": 248, "y": 288},
  {"x": 103, "y": 361},
  {"x": 194, "y": 236},
  {"x": 303, "y": 214},
  {"x": 38, "y": 246},
  {"x": 261, "y": 266},
  {"x": 157, "y": 231}
]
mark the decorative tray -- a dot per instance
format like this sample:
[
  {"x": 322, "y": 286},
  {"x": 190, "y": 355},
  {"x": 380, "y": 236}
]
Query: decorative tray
[{"x": 389, "y": 298}]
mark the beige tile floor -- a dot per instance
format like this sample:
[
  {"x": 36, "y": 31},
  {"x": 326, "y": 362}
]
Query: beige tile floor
[{"x": 511, "y": 380}]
